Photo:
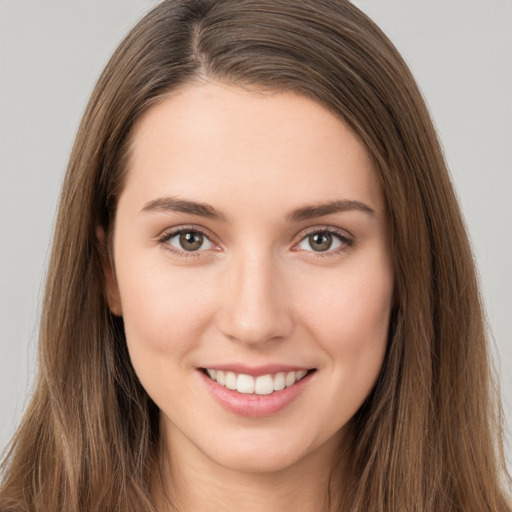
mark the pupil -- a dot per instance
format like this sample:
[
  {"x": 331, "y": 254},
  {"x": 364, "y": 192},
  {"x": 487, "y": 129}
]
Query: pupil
[
  {"x": 191, "y": 241},
  {"x": 320, "y": 241}
]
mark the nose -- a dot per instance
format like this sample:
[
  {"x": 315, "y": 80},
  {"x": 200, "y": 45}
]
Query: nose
[{"x": 254, "y": 307}]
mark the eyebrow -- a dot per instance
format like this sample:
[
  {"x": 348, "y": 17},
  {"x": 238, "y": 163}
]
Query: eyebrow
[
  {"x": 165, "y": 204},
  {"x": 328, "y": 208}
]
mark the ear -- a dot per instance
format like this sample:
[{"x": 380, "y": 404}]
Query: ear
[{"x": 110, "y": 289}]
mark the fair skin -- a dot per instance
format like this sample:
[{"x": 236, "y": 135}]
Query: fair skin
[{"x": 223, "y": 262}]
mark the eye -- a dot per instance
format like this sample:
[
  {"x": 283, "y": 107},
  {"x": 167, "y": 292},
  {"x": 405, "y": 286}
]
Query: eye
[
  {"x": 188, "y": 240},
  {"x": 324, "y": 241}
]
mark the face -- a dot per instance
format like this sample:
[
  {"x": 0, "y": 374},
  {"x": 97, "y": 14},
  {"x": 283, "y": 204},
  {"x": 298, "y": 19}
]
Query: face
[{"x": 253, "y": 274}]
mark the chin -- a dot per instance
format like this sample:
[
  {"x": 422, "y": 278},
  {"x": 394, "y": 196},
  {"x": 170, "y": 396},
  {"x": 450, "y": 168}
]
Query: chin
[{"x": 270, "y": 453}]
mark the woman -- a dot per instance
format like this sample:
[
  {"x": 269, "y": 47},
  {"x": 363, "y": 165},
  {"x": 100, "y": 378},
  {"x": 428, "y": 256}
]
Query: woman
[{"x": 261, "y": 292}]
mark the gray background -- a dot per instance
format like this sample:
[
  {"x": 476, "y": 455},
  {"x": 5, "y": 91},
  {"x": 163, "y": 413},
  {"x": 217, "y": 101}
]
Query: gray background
[{"x": 51, "y": 53}]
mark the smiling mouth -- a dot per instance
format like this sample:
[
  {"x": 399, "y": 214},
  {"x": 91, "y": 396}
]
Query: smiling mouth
[{"x": 261, "y": 385}]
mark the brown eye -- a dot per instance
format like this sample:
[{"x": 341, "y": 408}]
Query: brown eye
[
  {"x": 324, "y": 242},
  {"x": 188, "y": 240},
  {"x": 191, "y": 240},
  {"x": 320, "y": 242}
]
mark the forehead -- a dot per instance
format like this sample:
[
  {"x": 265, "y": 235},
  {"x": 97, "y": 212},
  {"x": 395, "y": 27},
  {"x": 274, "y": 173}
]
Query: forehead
[{"x": 222, "y": 141}]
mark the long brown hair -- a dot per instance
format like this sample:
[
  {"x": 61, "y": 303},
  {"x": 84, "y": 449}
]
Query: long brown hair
[{"x": 428, "y": 437}]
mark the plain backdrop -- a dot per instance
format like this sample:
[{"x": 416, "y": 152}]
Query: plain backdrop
[{"x": 52, "y": 52}]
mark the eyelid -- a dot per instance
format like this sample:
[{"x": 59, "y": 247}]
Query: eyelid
[
  {"x": 346, "y": 239},
  {"x": 169, "y": 233}
]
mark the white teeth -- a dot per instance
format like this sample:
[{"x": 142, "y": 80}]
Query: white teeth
[
  {"x": 279, "y": 381},
  {"x": 264, "y": 385},
  {"x": 230, "y": 381},
  {"x": 290, "y": 379},
  {"x": 245, "y": 384},
  {"x": 261, "y": 385}
]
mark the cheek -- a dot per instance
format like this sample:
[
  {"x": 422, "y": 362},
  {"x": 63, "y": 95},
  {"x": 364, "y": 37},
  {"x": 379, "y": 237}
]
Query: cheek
[
  {"x": 349, "y": 316},
  {"x": 163, "y": 310},
  {"x": 165, "y": 315},
  {"x": 350, "y": 324}
]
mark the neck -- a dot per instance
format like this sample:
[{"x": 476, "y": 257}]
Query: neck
[{"x": 193, "y": 482}]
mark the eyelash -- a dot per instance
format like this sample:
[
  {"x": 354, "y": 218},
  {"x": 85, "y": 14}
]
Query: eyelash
[
  {"x": 343, "y": 237},
  {"x": 168, "y": 235}
]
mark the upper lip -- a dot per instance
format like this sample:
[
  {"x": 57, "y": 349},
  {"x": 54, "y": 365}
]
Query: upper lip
[{"x": 256, "y": 371}]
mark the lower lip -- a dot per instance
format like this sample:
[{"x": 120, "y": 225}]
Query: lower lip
[{"x": 255, "y": 405}]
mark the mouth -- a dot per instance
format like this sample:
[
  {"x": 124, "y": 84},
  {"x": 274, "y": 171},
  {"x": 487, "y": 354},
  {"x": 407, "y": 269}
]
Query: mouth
[{"x": 266, "y": 384}]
